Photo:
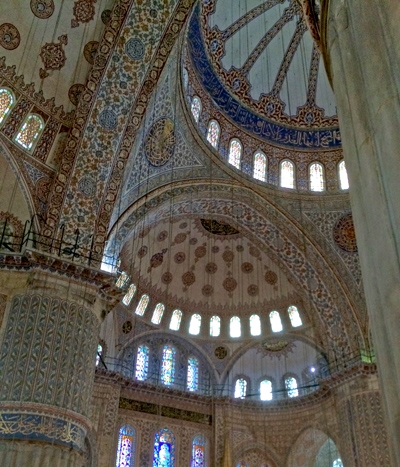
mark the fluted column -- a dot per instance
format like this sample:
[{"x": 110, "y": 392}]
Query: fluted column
[{"x": 361, "y": 46}]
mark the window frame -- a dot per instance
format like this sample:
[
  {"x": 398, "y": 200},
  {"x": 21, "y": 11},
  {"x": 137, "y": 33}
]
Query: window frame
[
  {"x": 219, "y": 134},
  {"x": 8, "y": 113},
  {"x": 265, "y": 167},
  {"x": 294, "y": 175},
  {"x": 232, "y": 140},
  {"x": 323, "y": 177}
]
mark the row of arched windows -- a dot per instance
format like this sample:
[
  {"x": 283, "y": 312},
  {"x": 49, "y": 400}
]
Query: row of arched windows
[
  {"x": 287, "y": 172},
  {"x": 30, "y": 129},
  {"x": 265, "y": 389}
]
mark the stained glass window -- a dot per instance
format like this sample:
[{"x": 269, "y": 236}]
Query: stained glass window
[
  {"x": 30, "y": 131},
  {"x": 344, "y": 180},
  {"x": 198, "y": 452},
  {"x": 158, "y": 313},
  {"x": 193, "y": 374},
  {"x": 99, "y": 353},
  {"x": 6, "y": 101},
  {"x": 242, "y": 464},
  {"x": 196, "y": 108},
  {"x": 287, "y": 174},
  {"x": 276, "y": 323},
  {"x": 164, "y": 449},
  {"x": 255, "y": 325},
  {"x": 260, "y": 166},
  {"x": 213, "y": 133},
  {"x": 235, "y": 328},
  {"x": 122, "y": 280},
  {"x": 266, "y": 390},
  {"x": 317, "y": 177},
  {"x": 142, "y": 363},
  {"x": 294, "y": 316},
  {"x": 215, "y": 326},
  {"x": 195, "y": 323},
  {"x": 142, "y": 305},
  {"x": 291, "y": 387},
  {"x": 235, "y": 151},
  {"x": 337, "y": 463},
  {"x": 168, "y": 365},
  {"x": 126, "y": 447},
  {"x": 240, "y": 388},
  {"x": 175, "y": 320},
  {"x": 129, "y": 295}
]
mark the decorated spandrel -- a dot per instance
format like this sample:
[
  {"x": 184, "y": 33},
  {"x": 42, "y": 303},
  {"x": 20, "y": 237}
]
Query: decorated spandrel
[
  {"x": 240, "y": 388},
  {"x": 213, "y": 133},
  {"x": 344, "y": 180},
  {"x": 317, "y": 177},
  {"x": 215, "y": 326},
  {"x": 235, "y": 152},
  {"x": 6, "y": 101},
  {"x": 234, "y": 327},
  {"x": 291, "y": 387},
  {"x": 198, "y": 452},
  {"x": 142, "y": 363},
  {"x": 195, "y": 324},
  {"x": 30, "y": 131},
  {"x": 260, "y": 166},
  {"x": 193, "y": 374},
  {"x": 287, "y": 174},
  {"x": 99, "y": 353},
  {"x": 175, "y": 323},
  {"x": 275, "y": 320},
  {"x": 266, "y": 390},
  {"x": 164, "y": 449},
  {"x": 255, "y": 325},
  {"x": 158, "y": 313},
  {"x": 168, "y": 365},
  {"x": 129, "y": 295},
  {"x": 294, "y": 316},
  {"x": 122, "y": 280},
  {"x": 196, "y": 108},
  {"x": 126, "y": 447},
  {"x": 142, "y": 305}
]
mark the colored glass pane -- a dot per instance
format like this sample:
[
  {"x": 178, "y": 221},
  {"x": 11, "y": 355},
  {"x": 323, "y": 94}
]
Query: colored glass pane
[
  {"x": 164, "y": 449},
  {"x": 291, "y": 387},
  {"x": 276, "y": 323},
  {"x": 240, "y": 388},
  {"x": 129, "y": 295},
  {"x": 196, "y": 108},
  {"x": 122, "y": 280},
  {"x": 344, "y": 180},
  {"x": 215, "y": 326},
  {"x": 126, "y": 447},
  {"x": 175, "y": 320},
  {"x": 30, "y": 131},
  {"x": 337, "y": 463},
  {"x": 287, "y": 174},
  {"x": 192, "y": 374},
  {"x": 142, "y": 363},
  {"x": 234, "y": 329},
  {"x": 242, "y": 464},
  {"x": 294, "y": 316},
  {"x": 168, "y": 365},
  {"x": 260, "y": 166},
  {"x": 255, "y": 325},
  {"x": 213, "y": 133},
  {"x": 266, "y": 390},
  {"x": 158, "y": 313},
  {"x": 98, "y": 354},
  {"x": 195, "y": 323},
  {"x": 198, "y": 452},
  {"x": 235, "y": 151},
  {"x": 142, "y": 305},
  {"x": 6, "y": 101},
  {"x": 317, "y": 177}
]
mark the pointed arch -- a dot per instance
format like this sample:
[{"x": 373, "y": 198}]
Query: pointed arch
[
  {"x": 276, "y": 322},
  {"x": 343, "y": 177},
  {"x": 126, "y": 447},
  {"x": 142, "y": 363},
  {"x": 175, "y": 322},
  {"x": 286, "y": 174},
  {"x": 235, "y": 152},
  {"x": 196, "y": 108},
  {"x": 7, "y": 100},
  {"x": 215, "y": 326},
  {"x": 317, "y": 177},
  {"x": 168, "y": 365},
  {"x": 142, "y": 305},
  {"x": 235, "y": 327},
  {"x": 213, "y": 133},
  {"x": 195, "y": 324},
  {"x": 30, "y": 131},
  {"x": 260, "y": 166},
  {"x": 158, "y": 313},
  {"x": 199, "y": 458},
  {"x": 164, "y": 449}
]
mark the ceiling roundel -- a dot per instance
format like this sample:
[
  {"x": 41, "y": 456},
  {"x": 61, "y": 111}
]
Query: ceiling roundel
[{"x": 260, "y": 65}]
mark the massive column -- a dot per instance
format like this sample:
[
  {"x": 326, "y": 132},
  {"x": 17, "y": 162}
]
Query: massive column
[{"x": 361, "y": 46}]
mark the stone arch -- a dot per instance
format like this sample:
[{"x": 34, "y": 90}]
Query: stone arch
[{"x": 255, "y": 455}]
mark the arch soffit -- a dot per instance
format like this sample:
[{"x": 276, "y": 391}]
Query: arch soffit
[{"x": 243, "y": 449}]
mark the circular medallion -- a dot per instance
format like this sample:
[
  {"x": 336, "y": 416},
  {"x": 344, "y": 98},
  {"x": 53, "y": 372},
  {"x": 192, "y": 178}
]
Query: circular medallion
[
  {"x": 134, "y": 48},
  {"x": 108, "y": 119},
  {"x": 84, "y": 11},
  {"x": 207, "y": 290},
  {"x": 105, "y": 16},
  {"x": 221, "y": 352},
  {"x": 344, "y": 233},
  {"x": 252, "y": 290},
  {"x": 142, "y": 252},
  {"x": 200, "y": 251},
  {"x": 127, "y": 327},
  {"x": 188, "y": 278},
  {"x": 247, "y": 268},
  {"x": 9, "y": 36},
  {"x": 180, "y": 257},
  {"x": 74, "y": 93},
  {"x": 229, "y": 284},
  {"x": 271, "y": 277},
  {"x": 228, "y": 256},
  {"x": 87, "y": 186},
  {"x": 90, "y": 51},
  {"x": 180, "y": 237},
  {"x": 43, "y": 9},
  {"x": 215, "y": 249},
  {"x": 166, "y": 278},
  {"x": 162, "y": 236},
  {"x": 211, "y": 268},
  {"x": 160, "y": 142}
]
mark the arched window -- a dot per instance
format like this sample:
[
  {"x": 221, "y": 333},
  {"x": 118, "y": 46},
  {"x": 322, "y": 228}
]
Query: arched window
[
  {"x": 29, "y": 131},
  {"x": 240, "y": 388},
  {"x": 142, "y": 363},
  {"x": 266, "y": 390},
  {"x": 6, "y": 102},
  {"x": 164, "y": 449},
  {"x": 196, "y": 108},
  {"x": 276, "y": 323},
  {"x": 142, "y": 305},
  {"x": 122, "y": 280},
  {"x": 260, "y": 166},
  {"x": 242, "y": 464},
  {"x": 287, "y": 174},
  {"x": 213, "y": 133},
  {"x": 294, "y": 316},
  {"x": 158, "y": 313},
  {"x": 235, "y": 152},
  {"x": 317, "y": 182},
  {"x": 255, "y": 325},
  {"x": 215, "y": 326},
  {"x": 175, "y": 323},
  {"x": 195, "y": 323},
  {"x": 337, "y": 463},
  {"x": 343, "y": 178},
  {"x": 126, "y": 447},
  {"x": 168, "y": 365},
  {"x": 99, "y": 354},
  {"x": 193, "y": 374},
  {"x": 235, "y": 330},
  {"x": 185, "y": 77},
  {"x": 291, "y": 386},
  {"x": 198, "y": 452},
  {"x": 129, "y": 295}
]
